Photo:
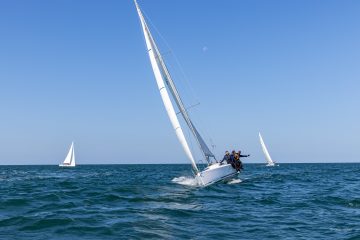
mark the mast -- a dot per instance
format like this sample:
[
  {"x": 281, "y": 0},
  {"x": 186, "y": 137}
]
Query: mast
[
  {"x": 174, "y": 92},
  {"x": 154, "y": 59}
]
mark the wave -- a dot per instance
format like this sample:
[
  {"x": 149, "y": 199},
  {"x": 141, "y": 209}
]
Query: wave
[
  {"x": 234, "y": 181},
  {"x": 165, "y": 201},
  {"x": 188, "y": 181}
]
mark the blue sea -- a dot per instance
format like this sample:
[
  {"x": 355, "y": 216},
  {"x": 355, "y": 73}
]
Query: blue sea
[{"x": 289, "y": 201}]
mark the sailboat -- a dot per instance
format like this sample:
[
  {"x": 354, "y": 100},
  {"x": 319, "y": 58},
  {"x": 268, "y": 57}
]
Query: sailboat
[
  {"x": 270, "y": 162},
  {"x": 214, "y": 171},
  {"x": 70, "y": 158}
]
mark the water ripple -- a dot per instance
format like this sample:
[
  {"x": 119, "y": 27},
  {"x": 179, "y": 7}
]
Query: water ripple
[{"x": 302, "y": 201}]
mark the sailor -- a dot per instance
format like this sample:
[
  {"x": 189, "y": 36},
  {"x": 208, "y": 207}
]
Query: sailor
[
  {"x": 232, "y": 155},
  {"x": 239, "y": 152},
  {"x": 232, "y": 158},
  {"x": 226, "y": 158},
  {"x": 239, "y": 161}
]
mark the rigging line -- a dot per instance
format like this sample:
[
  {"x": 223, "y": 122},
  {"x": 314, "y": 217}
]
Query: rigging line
[
  {"x": 206, "y": 152},
  {"x": 159, "y": 56},
  {"x": 204, "y": 132},
  {"x": 185, "y": 77},
  {"x": 177, "y": 97},
  {"x": 190, "y": 143},
  {"x": 193, "y": 93},
  {"x": 158, "y": 68},
  {"x": 190, "y": 138},
  {"x": 192, "y": 106},
  {"x": 197, "y": 160}
]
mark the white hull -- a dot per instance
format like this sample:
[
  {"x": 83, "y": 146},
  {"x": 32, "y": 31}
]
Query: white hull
[
  {"x": 215, "y": 173},
  {"x": 64, "y": 165}
]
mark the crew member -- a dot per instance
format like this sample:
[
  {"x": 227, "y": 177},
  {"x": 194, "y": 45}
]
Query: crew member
[
  {"x": 239, "y": 164},
  {"x": 226, "y": 158}
]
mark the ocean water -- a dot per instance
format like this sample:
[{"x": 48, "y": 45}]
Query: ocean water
[{"x": 289, "y": 201}]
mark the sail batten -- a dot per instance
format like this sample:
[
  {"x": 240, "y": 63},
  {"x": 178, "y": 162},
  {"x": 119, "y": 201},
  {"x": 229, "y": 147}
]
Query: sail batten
[{"x": 156, "y": 66}]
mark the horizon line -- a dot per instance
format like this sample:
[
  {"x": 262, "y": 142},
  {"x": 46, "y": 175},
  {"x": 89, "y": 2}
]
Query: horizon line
[{"x": 87, "y": 164}]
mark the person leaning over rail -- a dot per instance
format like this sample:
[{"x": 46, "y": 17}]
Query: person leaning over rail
[
  {"x": 226, "y": 158},
  {"x": 239, "y": 163}
]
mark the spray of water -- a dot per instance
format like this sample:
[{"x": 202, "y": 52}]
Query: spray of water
[
  {"x": 188, "y": 181},
  {"x": 234, "y": 181},
  {"x": 191, "y": 181}
]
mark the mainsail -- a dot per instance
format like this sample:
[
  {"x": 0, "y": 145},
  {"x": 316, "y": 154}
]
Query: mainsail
[
  {"x": 266, "y": 153},
  {"x": 170, "y": 83},
  {"x": 163, "y": 77},
  {"x": 154, "y": 59},
  {"x": 205, "y": 149}
]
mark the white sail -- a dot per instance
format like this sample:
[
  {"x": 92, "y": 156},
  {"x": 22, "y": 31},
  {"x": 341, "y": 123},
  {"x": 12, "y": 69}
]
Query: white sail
[
  {"x": 72, "y": 162},
  {"x": 266, "y": 153},
  {"x": 174, "y": 92},
  {"x": 70, "y": 158},
  {"x": 154, "y": 57},
  {"x": 214, "y": 172}
]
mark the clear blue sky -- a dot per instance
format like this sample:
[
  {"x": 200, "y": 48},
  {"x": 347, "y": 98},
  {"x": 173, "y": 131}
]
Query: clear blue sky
[{"x": 78, "y": 70}]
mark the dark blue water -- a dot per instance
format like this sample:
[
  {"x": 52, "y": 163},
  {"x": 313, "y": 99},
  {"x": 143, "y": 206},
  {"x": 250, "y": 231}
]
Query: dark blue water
[{"x": 291, "y": 201}]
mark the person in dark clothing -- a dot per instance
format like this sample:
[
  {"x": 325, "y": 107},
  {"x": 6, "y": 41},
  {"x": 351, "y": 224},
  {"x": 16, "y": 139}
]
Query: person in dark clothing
[
  {"x": 243, "y": 155},
  {"x": 239, "y": 162},
  {"x": 232, "y": 158},
  {"x": 232, "y": 155},
  {"x": 226, "y": 158}
]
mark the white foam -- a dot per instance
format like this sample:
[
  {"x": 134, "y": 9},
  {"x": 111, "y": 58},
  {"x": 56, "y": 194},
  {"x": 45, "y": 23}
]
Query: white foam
[
  {"x": 234, "y": 181},
  {"x": 188, "y": 181}
]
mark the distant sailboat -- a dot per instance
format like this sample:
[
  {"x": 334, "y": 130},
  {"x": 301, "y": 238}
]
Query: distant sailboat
[
  {"x": 267, "y": 155},
  {"x": 214, "y": 171},
  {"x": 70, "y": 158}
]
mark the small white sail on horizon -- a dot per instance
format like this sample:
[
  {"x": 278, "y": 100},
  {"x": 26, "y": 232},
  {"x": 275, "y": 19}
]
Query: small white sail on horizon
[
  {"x": 70, "y": 158},
  {"x": 270, "y": 162}
]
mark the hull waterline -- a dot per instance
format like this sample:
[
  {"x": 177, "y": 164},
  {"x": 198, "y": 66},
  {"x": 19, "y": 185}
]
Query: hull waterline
[
  {"x": 66, "y": 166},
  {"x": 215, "y": 173}
]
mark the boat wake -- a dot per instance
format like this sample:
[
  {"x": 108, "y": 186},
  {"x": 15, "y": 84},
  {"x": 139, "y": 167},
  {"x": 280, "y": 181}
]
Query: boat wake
[
  {"x": 234, "y": 181},
  {"x": 188, "y": 181}
]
